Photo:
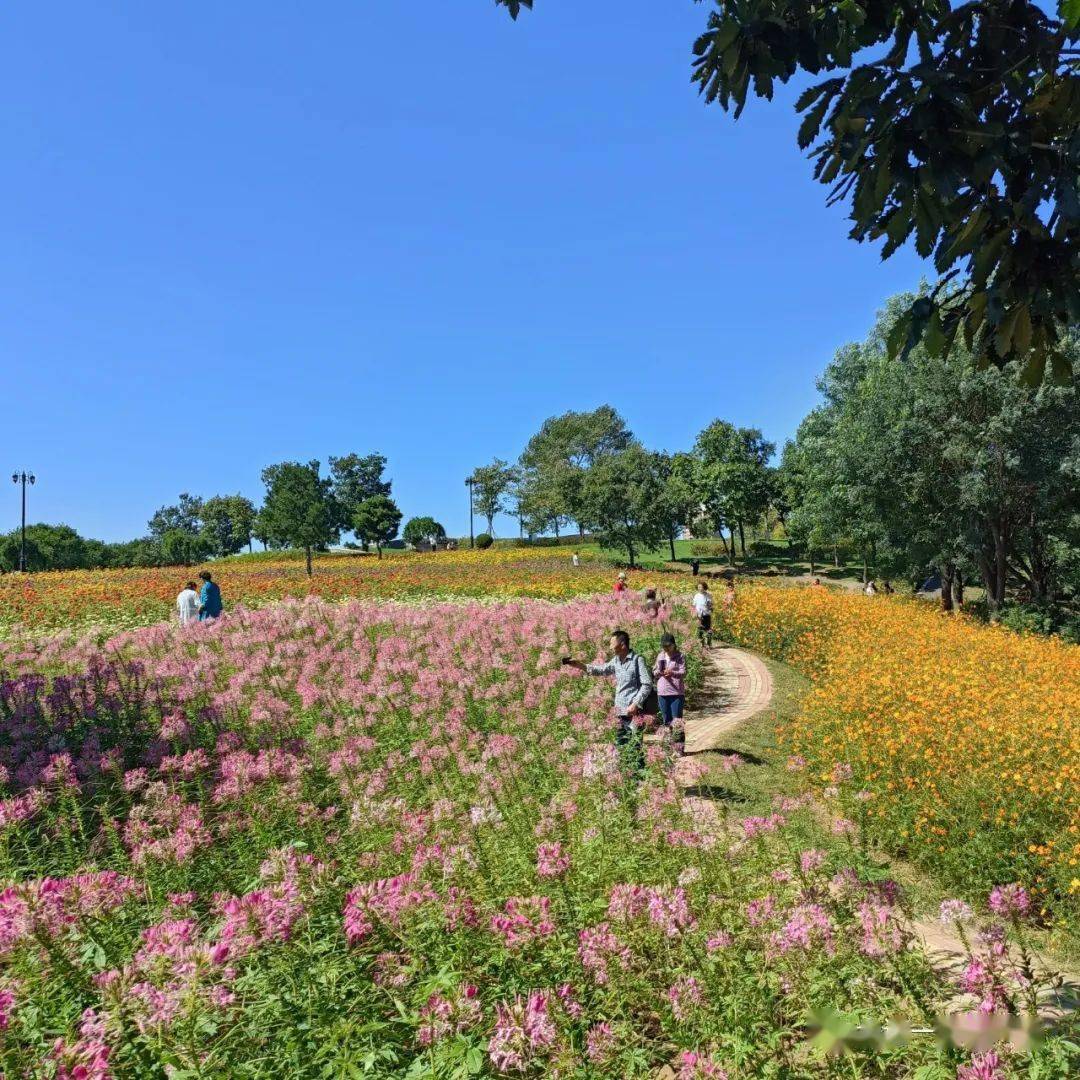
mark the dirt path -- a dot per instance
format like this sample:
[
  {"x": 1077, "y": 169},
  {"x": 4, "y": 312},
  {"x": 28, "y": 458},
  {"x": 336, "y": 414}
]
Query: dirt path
[{"x": 736, "y": 686}]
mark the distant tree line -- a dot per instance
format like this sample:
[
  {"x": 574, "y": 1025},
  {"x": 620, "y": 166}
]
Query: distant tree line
[
  {"x": 922, "y": 466},
  {"x": 586, "y": 471},
  {"x": 301, "y": 510}
]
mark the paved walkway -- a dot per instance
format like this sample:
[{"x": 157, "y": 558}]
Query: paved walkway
[{"x": 736, "y": 686}]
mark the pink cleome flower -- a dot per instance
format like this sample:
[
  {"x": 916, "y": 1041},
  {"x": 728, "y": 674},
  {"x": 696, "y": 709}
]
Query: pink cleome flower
[{"x": 524, "y": 1032}]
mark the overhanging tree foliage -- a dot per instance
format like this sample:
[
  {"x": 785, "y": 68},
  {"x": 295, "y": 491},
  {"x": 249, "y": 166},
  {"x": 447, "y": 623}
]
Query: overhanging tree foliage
[{"x": 958, "y": 126}]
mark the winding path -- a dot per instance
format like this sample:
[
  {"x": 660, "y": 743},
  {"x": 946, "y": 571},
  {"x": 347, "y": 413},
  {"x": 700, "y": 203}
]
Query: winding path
[{"x": 736, "y": 686}]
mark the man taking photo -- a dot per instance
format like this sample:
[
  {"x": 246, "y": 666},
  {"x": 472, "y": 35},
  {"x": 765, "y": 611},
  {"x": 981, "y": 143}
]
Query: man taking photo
[{"x": 633, "y": 685}]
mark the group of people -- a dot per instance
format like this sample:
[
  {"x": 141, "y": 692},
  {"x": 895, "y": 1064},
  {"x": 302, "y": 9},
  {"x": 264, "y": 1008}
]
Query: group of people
[
  {"x": 660, "y": 690},
  {"x": 635, "y": 684},
  {"x": 199, "y": 603},
  {"x": 870, "y": 589},
  {"x": 702, "y": 603}
]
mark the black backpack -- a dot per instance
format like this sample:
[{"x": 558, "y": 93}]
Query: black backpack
[{"x": 651, "y": 707}]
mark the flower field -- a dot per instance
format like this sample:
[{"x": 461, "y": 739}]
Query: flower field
[
  {"x": 125, "y": 599},
  {"x": 374, "y": 839},
  {"x": 963, "y": 739}
]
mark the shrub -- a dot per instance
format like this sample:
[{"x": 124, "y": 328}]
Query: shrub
[{"x": 484, "y": 541}]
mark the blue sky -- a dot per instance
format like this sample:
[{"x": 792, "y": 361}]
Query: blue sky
[{"x": 241, "y": 233}]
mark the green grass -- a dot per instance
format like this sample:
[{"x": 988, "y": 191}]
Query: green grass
[{"x": 775, "y": 561}]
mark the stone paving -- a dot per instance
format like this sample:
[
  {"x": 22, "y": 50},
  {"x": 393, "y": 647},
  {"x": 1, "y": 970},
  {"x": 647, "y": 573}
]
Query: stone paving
[{"x": 736, "y": 686}]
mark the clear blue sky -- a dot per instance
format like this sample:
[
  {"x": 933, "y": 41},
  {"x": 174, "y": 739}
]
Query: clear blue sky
[{"x": 241, "y": 233}]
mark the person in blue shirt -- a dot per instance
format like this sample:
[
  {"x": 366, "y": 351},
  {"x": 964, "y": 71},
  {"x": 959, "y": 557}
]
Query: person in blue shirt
[{"x": 209, "y": 598}]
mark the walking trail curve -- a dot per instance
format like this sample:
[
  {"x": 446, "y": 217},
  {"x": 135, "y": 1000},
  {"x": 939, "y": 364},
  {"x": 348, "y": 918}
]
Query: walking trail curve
[{"x": 736, "y": 686}]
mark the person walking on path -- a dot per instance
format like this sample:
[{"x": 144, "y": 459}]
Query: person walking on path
[
  {"x": 670, "y": 673},
  {"x": 620, "y": 583},
  {"x": 703, "y": 606},
  {"x": 633, "y": 685},
  {"x": 187, "y": 604},
  {"x": 209, "y": 598},
  {"x": 695, "y": 566}
]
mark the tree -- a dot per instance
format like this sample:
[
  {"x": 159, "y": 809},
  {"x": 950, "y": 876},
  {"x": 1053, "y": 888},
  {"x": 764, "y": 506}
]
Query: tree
[
  {"x": 227, "y": 523},
  {"x": 541, "y": 502},
  {"x": 376, "y": 521},
  {"x": 491, "y": 484},
  {"x": 622, "y": 499},
  {"x": 731, "y": 477},
  {"x": 959, "y": 126},
  {"x": 186, "y": 515},
  {"x": 11, "y": 549},
  {"x": 422, "y": 530},
  {"x": 48, "y": 547},
  {"x": 680, "y": 501},
  {"x": 354, "y": 479},
  {"x": 561, "y": 452},
  {"x": 182, "y": 548},
  {"x": 939, "y": 464},
  {"x": 299, "y": 510}
]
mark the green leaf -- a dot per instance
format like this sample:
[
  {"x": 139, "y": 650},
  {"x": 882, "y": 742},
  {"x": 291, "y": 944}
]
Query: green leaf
[
  {"x": 1070, "y": 12},
  {"x": 1003, "y": 339},
  {"x": 1021, "y": 337},
  {"x": 728, "y": 32},
  {"x": 898, "y": 335},
  {"x": 1034, "y": 369},
  {"x": 811, "y": 124},
  {"x": 934, "y": 338},
  {"x": 986, "y": 258}
]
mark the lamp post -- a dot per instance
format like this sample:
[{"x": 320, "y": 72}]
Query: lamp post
[
  {"x": 469, "y": 484},
  {"x": 23, "y": 478}
]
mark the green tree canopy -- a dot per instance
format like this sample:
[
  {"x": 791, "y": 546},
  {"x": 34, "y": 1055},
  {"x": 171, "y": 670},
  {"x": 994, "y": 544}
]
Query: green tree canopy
[
  {"x": 557, "y": 457},
  {"x": 227, "y": 523},
  {"x": 182, "y": 548},
  {"x": 185, "y": 514},
  {"x": 376, "y": 521},
  {"x": 944, "y": 466},
  {"x": 491, "y": 487},
  {"x": 354, "y": 479},
  {"x": 421, "y": 530},
  {"x": 731, "y": 477},
  {"x": 299, "y": 510},
  {"x": 623, "y": 500}
]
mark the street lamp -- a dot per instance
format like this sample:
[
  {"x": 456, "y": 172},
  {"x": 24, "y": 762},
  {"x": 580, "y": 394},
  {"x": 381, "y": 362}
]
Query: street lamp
[
  {"x": 23, "y": 478},
  {"x": 469, "y": 484}
]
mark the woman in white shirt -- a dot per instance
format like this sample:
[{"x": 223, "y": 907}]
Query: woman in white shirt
[{"x": 187, "y": 604}]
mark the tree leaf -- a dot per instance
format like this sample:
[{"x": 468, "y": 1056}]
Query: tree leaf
[
  {"x": 934, "y": 337},
  {"x": 1003, "y": 338},
  {"x": 1021, "y": 337},
  {"x": 811, "y": 125},
  {"x": 1070, "y": 12}
]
